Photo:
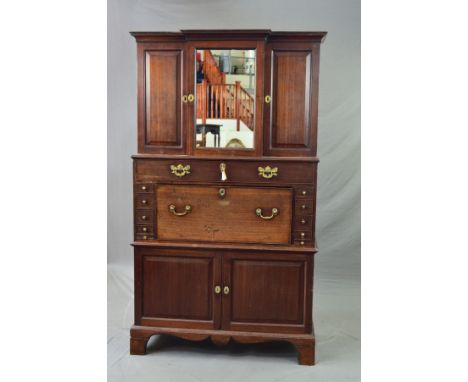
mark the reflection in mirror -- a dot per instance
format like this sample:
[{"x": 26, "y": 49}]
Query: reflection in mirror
[{"x": 225, "y": 98}]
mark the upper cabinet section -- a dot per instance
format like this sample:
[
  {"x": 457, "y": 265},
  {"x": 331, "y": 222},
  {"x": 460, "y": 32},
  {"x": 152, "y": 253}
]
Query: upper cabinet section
[{"x": 228, "y": 93}]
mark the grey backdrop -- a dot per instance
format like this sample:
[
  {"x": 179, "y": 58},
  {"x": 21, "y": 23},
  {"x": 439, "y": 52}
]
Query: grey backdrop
[{"x": 337, "y": 283}]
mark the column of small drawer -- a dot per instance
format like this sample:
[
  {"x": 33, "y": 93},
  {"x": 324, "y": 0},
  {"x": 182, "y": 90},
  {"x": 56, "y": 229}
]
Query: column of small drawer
[
  {"x": 144, "y": 216},
  {"x": 304, "y": 215}
]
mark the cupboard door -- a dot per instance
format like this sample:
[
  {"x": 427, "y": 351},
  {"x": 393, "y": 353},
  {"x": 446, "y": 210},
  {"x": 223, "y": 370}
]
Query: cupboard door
[
  {"x": 177, "y": 288},
  {"x": 160, "y": 91},
  {"x": 267, "y": 293},
  {"x": 291, "y": 113}
]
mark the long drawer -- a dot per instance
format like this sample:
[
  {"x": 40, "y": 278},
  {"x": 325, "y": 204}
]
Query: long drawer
[
  {"x": 224, "y": 214},
  {"x": 237, "y": 171}
]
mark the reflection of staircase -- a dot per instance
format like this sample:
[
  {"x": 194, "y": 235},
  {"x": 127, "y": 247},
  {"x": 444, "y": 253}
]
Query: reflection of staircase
[{"x": 218, "y": 100}]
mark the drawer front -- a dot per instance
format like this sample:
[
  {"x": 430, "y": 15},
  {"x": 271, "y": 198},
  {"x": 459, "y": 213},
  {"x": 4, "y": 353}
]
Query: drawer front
[
  {"x": 224, "y": 214},
  {"x": 304, "y": 206},
  {"x": 144, "y": 200},
  {"x": 143, "y": 188},
  {"x": 203, "y": 170},
  {"x": 144, "y": 216},
  {"x": 144, "y": 229},
  {"x": 304, "y": 192}
]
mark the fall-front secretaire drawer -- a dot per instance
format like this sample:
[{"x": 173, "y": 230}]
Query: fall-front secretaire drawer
[
  {"x": 213, "y": 170},
  {"x": 224, "y": 214}
]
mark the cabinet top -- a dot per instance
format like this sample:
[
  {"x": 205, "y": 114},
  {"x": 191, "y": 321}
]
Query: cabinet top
[{"x": 229, "y": 34}]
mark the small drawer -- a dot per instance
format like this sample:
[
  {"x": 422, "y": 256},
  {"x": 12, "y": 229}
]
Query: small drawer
[
  {"x": 305, "y": 235},
  {"x": 144, "y": 201},
  {"x": 303, "y": 222},
  {"x": 144, "y": 229},
  {"x": 304, "y": 243},
  {"x": 144, "y": 216},
  {"x": 304, "y": 206},
  {"x": 303, "y": 192},
  {"x": 144, "y": 237},
  {"x": 143, "y": 187}
]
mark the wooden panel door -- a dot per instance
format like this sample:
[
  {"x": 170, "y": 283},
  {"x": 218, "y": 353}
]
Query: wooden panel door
[
  {"x": 291, "y": 114},
  {"x": 160, "y": 90},
  {"x": 267, "y": 293},
  {"x": 176, "y": 288}
]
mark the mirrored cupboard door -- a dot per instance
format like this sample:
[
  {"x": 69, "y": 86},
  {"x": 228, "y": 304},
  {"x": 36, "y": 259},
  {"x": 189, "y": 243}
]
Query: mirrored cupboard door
[{"x": 226, "y": 78}]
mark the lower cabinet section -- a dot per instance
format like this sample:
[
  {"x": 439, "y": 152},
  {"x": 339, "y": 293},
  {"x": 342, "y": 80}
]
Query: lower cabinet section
[{"x": 235, "y": 290}]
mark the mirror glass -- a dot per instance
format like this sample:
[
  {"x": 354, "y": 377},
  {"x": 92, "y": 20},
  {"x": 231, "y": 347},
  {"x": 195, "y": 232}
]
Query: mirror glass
[{"x": 225, "y": 98}]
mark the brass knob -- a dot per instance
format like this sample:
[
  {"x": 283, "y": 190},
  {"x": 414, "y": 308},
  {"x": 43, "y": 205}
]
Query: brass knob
[
  {"x": 222, "y": 192},
  {"x": 145, "y": 237},
  {"x": 226, "y": 290},
  {"x": 217, "y": 289},
  {"x": 143, "y": 188},
  {"x": 267, "y": 99},
  {"x": 303, "y": 221},
  {"x": 302, "y": 243},
  {"x": 144, "y": 201},
  {"x": 303, "y": 206},
  {"x": 144, "y": 229},
  {"x": 184, "y": 99},
  {"x": 143, "y": 217},
  {"x": 190, "y": 97},
  {"x": 304, "y": 192},
  {"x": 302, "y": 234}
]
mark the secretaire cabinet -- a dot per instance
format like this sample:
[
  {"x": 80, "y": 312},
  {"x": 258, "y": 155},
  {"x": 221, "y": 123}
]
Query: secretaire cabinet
[{"x": 225, "y": 186}]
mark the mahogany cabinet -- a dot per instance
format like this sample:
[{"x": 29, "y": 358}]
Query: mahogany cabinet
[{"x": 225, "y": 186}]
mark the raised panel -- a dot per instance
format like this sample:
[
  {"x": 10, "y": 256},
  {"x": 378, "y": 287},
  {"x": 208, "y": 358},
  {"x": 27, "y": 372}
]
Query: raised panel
[
  {"x": 292, "y": 81},
  {"x": 267, "y": 291},
  {"x": 160, "y": 98},
  {"x": 291, "y": 99},
  {"x": 176, "y": 288},
  {"x": 266, "y": 294}
]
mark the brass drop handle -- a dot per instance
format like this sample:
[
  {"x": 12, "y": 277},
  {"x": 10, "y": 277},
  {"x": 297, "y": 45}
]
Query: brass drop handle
[
  {"x": 267, "y": 99},
  {"x": 226, "y": 290},
  {"x": 267, "y": 172},
  {"x": 184, "y": 98},
  {"x": 191, "y": 97},
  {"x": 274, "y": 212},
  {"x": 217, "y": 289},
  {"x": 188, "y": 209},
  {"x": 180, "y": 170}
]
